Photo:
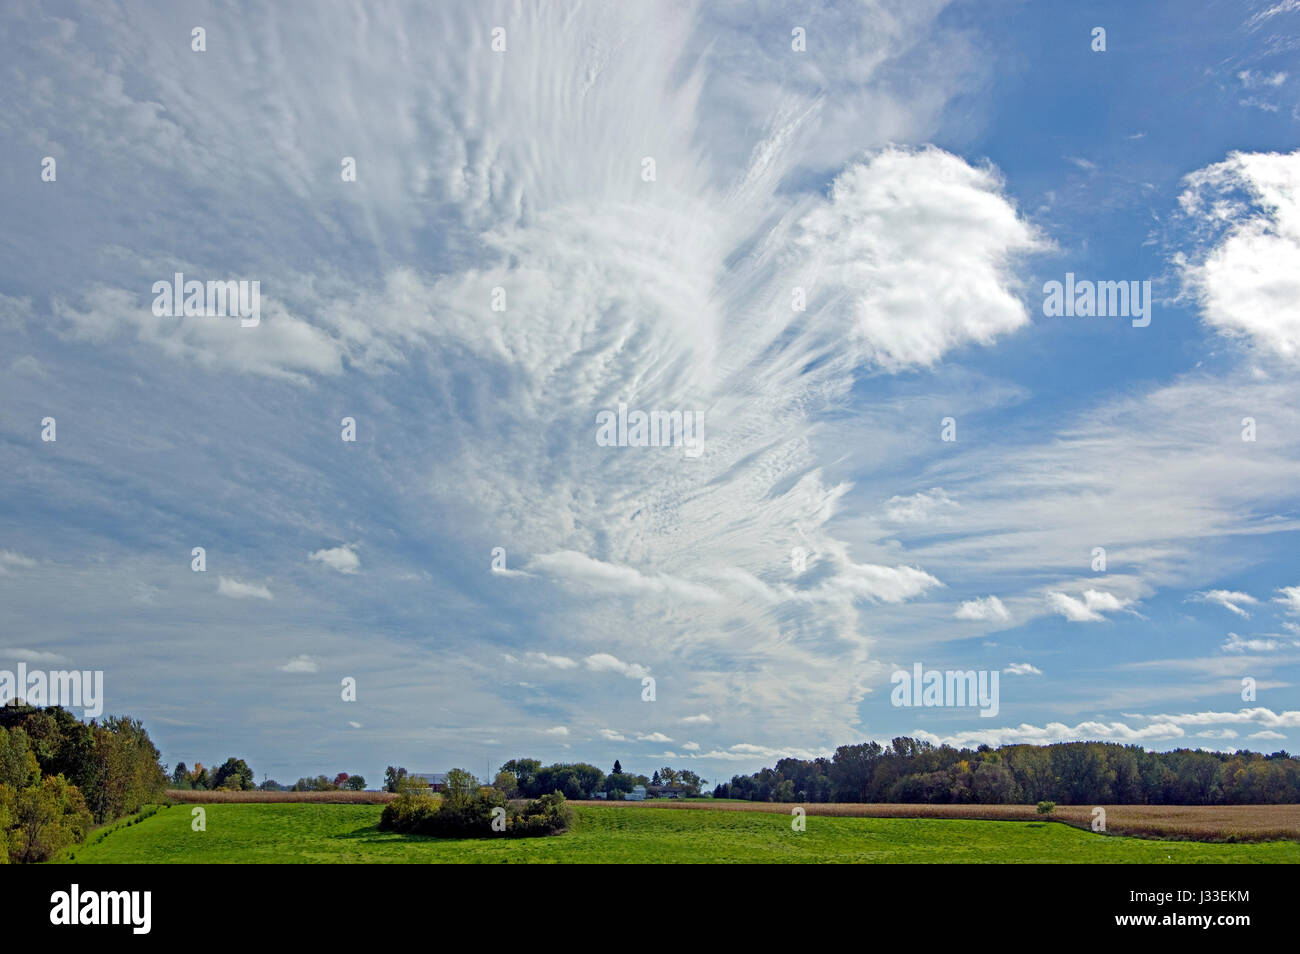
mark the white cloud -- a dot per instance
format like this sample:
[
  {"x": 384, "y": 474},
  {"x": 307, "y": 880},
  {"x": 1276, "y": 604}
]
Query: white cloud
[
  {"x": 1266, "y": 734},
  {"x": 554, "y": 662},
  {"x": 1253, "y": 79},
  {"x": 604, "y": 662},
  {"x": 1228, "y": 599},
  {"x": 701, "y": 719},
  {"x": 1023, "y": 669},
  {"x": 242, "y": 591},
  {"x": 610, "y": 735},
  {"x": 920, "y": 507},
  {"x": 10, "y": 560},
  {"x": 985, "y": 608},
  {"x": 342, "y": 558},
  {"x": 1290, "y": 598},
  {"x": 1248, "y": 285},
  {"x": 691, "y": 746},
  {"x": 653, "y": 737},
  {"x": 919, "y": 244},
  {"x": 583, "y": 571},
  {"x": 300, "y": 664},
  {"x": 32, "y": 655},
  {"x": 558, "y": 730},
  {"x": 1087, "y": 610},
  {"x": 1257, "y": 644}
]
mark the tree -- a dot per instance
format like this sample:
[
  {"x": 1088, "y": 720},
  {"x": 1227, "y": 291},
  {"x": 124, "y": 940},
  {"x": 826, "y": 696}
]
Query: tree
[
  {"x": 341, "y": 779},
  {"x": 654, "y": 780},
  {"x": 506, "y": 783},
  {"x": 525, "y": 770},
  {"x": 618, "y": 769},
  {"x": 392, "y": 775},
  {"x": 233, "y": 774},
  {"x": 181, "y": 776},
  {"x": 48, "y": 818},
  {"x": 355, "y": 783},
  {"x": 18, "y": 765}
]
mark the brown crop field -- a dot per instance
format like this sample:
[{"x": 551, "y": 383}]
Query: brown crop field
[
  {"x": 190, "y": 797},
  {"x": 1189, "y": 822}
]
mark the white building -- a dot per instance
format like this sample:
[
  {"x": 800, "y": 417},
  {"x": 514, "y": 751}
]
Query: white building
[{"x": 636, "y": 795}]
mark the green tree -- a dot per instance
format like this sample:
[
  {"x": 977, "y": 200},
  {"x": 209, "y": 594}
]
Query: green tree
[
  {"x": 392, "y": 775},
  {"x": 18, "y": 765},
  {"x": 356, "y": 783},
  {"x": 234, "y": 774},
  {"x": 47, "y": 818}
]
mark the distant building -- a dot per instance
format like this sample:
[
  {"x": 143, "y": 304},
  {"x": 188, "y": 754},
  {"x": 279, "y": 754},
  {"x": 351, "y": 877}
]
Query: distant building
[
  {"x": 663, "y": 791},
  {"x": 435, "y": 780},
  {"x": 600, "y": 795},
  {"x": 636, "y": 795}
]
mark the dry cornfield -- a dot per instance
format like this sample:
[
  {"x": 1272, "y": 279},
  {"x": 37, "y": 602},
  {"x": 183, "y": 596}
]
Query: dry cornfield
[{"x": 201, "y": 797}]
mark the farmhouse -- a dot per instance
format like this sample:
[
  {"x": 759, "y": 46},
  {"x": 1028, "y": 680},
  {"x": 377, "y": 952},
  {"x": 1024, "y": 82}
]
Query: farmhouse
[
  {"x": 435, "y": 780},
  {"x": 636, "y": 795}
]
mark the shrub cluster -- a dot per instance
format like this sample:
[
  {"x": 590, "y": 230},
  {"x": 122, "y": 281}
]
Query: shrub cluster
[{"x": 466, "y": 810}]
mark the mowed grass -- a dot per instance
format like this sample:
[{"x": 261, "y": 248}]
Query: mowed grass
[{"x": 338, "y": 834}]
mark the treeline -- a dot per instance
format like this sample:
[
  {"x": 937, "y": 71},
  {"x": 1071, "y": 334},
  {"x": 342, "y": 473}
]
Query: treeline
[
  {"x": 1072, "y": 773},
  {"x": 235, "y": 775},
  {"x": 528, "y": 778},
  {"x": 59, "y": 776}
]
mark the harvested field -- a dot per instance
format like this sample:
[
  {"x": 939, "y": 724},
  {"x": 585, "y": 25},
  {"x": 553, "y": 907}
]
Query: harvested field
[
  {"x": 1191, "y": 822},
  {"x": 191, "y": 797}
]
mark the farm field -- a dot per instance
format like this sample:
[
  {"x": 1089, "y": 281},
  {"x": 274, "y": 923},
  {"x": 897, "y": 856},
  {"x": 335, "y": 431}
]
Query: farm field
[{"x": 311, "y": 832}]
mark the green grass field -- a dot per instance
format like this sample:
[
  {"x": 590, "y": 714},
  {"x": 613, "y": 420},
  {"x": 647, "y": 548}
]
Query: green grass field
[{"x": 338, "y": 834}]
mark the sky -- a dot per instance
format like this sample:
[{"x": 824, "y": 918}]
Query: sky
[{"x": 827, "y": 231}]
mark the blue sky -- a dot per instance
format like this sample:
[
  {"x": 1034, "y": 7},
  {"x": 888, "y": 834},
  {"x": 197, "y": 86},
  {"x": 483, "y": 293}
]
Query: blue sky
[{"x": 919, "y": 170}]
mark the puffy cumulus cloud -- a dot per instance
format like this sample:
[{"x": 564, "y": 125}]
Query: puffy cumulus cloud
[
  {"x": 1290, "y": 599},
  {"x": 9, "y": 560},
  {"x": 1023, "y": 669},
  {"x": 559, "y": 730},
  {"x": 987, "y": 608},
  {"x": 1087, "y": 610},
  {"x": 612, "y": 735},
  {"x": 653, "y": 737},
  {"x": 604, "y": 662},
  {"x": 921, "y": 507},
  {"x": 700, "y": 719},
  {"x": 917, "y": 246},
  {"x": 750, "y": 751},
  {"x": 551, "y": 661},
  {"x": 1259, "y": 715},
  {"x": 1257, "y": 644},
  {"x": 300, "y": 664},
  {"x": 32, "y": 655},
  {"x": 343, "y": 558},
  {"x": 237, "y": 589},
  {"x": 1057, "y": 732},
  {"x": 1228, "y": 599},
  {"x": 1248, "y": 281}
]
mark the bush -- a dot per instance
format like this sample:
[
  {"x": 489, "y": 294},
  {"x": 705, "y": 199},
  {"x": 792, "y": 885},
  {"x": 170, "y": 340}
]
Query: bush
[
  {"x": 1045, "y": 808},
  {"x": 464, "y": 813}
]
